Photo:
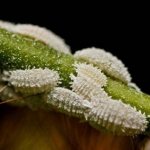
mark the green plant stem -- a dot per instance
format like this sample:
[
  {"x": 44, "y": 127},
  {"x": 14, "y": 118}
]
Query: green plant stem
[
  {"x": 128, "y": 95},
  {"x": 19, "y": 52}
]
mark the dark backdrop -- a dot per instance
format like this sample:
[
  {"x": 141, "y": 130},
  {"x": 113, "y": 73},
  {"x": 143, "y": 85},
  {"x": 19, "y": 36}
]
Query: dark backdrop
[{"x": 124, "y": 31}]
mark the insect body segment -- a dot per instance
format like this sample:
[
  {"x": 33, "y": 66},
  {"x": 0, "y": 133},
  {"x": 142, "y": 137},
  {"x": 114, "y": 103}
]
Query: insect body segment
[
  {"x": 117, "y": 117},
  {"x": 66, "y": 101},
  {"x": 106, "y": 62},
  {"x": 33, "y": 81},
  {"x": 44, "y": 35},
  {"x": 89, "y": 81}
]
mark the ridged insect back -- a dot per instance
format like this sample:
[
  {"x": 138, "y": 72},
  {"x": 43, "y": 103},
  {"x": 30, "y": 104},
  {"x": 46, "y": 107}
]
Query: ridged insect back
[
  {"x": 88, "y": 81},
  {"x": 66, "y": 101},
  {"x": 106, "y": 62},
  {"x": 33, "y": 81},
  {"x": 117, "y": 117}
]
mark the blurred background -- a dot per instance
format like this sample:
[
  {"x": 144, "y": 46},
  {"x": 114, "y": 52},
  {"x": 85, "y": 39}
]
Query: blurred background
[{"x": 123, "y": 30}]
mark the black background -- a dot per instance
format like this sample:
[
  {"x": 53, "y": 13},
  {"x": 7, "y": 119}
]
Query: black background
[{"x": 123, "y": 30}]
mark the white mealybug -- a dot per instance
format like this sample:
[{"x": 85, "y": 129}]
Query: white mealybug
[
  {"x": 44, "y": 35},
  {"x": 89, "y": 81},
  {"x": 7, "y": 25},
  {"x": 116, "y": 117},
  {"x": 106, "y": 62},
  {"x": 33, "y": 81},
  {"x": 68, "y": 102},
  {"x": 91, "y": 72}
]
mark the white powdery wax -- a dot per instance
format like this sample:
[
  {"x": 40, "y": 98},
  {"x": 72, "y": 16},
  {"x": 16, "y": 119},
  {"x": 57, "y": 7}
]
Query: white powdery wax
[
  {"x": 44, "y": 35},
  {"x": 106, "y": 62},
  {"x": 117, "y": 117},
  {"x": 33, "y": 81},
  {"x": 68, "y": 102},
  {"x": 7, "y": 25},
  {"x": 88, "y": 81}
]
